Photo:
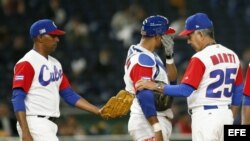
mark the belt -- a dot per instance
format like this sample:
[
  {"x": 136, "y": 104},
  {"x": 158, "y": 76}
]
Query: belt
[
  {"x": 208, "y": 107},
  {"x": 53, "y": 119}
]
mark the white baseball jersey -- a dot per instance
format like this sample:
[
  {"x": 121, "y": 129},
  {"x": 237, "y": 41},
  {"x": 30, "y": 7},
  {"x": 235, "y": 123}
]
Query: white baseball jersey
[
  {"x": 247, "y": 83},
  {"x": 213, "y": 72},
  {"x": 41, "y": 78},
  {"x": 156, "y": 72},
  {"x": 138, "y": 126}
]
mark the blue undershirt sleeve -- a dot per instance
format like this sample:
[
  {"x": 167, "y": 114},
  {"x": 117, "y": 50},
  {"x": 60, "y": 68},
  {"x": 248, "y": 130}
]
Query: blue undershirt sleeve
[
  {"x": 181, "y": 90},
  {"x": 69, "y": 96},
  {"x": 18, "y": 97},
  {"x": 146, "y": 100},
  {"x": 237, "y": 95}
]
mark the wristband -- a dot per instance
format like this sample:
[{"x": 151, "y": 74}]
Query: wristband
[
  {"x": 157, "y": 127},
  {"x": 170, "y": 61},
  {"x": 170, "y": 56}
]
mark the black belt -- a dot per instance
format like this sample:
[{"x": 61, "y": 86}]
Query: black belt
[
  {"x": 207, "y": 107},
  {"x": 53, "y": 119}
]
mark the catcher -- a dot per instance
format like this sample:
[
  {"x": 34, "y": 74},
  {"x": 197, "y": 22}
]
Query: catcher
[{"x": 150, "y": 112}]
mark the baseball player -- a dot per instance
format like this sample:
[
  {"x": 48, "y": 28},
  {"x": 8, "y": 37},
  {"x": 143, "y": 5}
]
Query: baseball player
[
  {"x": 38, "y": 84},
  {"x": 246, "y": 99},
  {"x": 145, "y": 123},
  {"x": 212, "y": 82}
]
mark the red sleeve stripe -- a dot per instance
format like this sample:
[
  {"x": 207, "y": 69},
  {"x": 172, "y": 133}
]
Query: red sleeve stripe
[
  {"x": 239, "y": 77},
  {"x": 246, "y": 90},
  {"x": 139, "y": 72},
  {"x": 194, "y": 73},
  {"x": 65, "y": 83},
  {"x": 23, "y": 76}
]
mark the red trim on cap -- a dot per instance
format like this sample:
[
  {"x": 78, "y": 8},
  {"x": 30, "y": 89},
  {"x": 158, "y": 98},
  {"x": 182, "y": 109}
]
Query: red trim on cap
[
  {"x": 170, "y": 31},
  {"x": 186, "y": 32},
  {"x": 57, "y": 32}
]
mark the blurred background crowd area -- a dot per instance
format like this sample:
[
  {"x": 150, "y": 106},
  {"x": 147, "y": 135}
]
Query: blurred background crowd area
[{"x": 93, "y": 51}]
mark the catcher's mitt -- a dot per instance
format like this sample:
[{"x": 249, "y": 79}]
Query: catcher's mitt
[
  {"x": 162, "y": 102},
  {"x": 118, "y": 105}
]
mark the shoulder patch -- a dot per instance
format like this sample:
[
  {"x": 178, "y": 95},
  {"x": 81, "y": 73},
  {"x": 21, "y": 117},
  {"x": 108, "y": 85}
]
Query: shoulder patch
[{"x": 145, "y": 60}]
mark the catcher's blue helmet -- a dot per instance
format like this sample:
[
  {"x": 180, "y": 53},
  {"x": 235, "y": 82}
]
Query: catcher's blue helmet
[{"x": 156, "y": 25}]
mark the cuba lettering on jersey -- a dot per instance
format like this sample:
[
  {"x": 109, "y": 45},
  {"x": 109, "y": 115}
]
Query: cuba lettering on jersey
[
  {"x": 213, "y": 72},
  {"x": 54, "y": 76},
  {"x": 41, "y": 79},
  {"x": 246, "y": 90},
  {"x": 143, "y": 64}
]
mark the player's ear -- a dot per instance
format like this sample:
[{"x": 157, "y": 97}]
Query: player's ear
[
  {"x": 158, "y": 37},
  {"x": 201, "y": 33},
  {"x": 39, "y": 38}
]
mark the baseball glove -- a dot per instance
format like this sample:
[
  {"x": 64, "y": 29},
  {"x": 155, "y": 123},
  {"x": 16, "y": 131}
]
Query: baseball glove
[
  {"x": 117, "y": 106},
  {"x": 162, "y": 102}
]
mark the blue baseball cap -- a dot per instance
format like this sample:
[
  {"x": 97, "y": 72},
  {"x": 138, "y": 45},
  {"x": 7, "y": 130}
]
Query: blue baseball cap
[
  {"x": 156, "y": 25},
  {"x": 196, "y": 22},
  {"x": 44, "y": 26}
]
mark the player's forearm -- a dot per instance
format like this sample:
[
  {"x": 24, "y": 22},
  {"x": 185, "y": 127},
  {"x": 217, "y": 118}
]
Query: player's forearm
[
  {"x": 245, "y": 118},
  {"x": 181, "y": 90},
  {"x": 146, "y": 100},
  {"x": 172, "y": 72},
  {"x": 156, "y": 127},
  {"x": 85, "y": 105},
  {"x": 21, "y": 118},
  {"x": 235, "y": 111},
  {"x": 158, "y": 136}
]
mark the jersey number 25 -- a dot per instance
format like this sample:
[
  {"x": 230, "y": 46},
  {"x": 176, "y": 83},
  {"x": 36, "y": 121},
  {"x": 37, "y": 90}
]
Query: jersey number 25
[{"x": 225, "y": 82}]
